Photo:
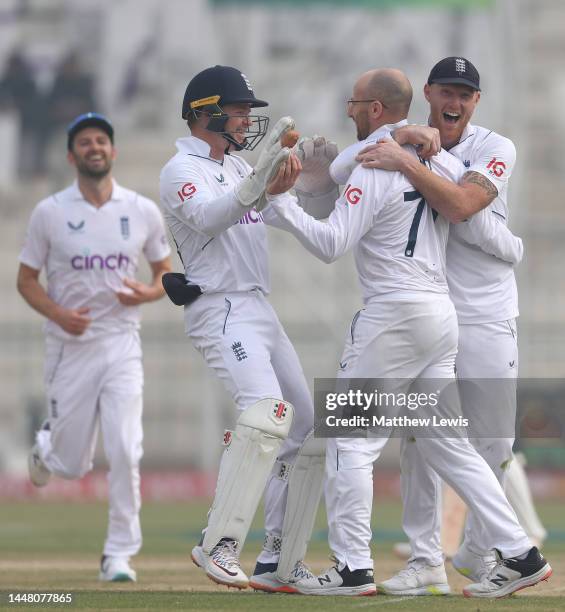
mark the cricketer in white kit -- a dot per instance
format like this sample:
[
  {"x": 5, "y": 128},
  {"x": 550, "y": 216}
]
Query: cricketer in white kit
[
  {"x": 407, "y": 330},
  {"x": 483, "y": 289},
  {"x": 90, "y": 251},
  {"x": 210, "y": 199}
]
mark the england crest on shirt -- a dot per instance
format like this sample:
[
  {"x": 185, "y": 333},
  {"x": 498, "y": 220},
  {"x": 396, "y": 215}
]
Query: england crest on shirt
[{"x": 124, "y": 227}]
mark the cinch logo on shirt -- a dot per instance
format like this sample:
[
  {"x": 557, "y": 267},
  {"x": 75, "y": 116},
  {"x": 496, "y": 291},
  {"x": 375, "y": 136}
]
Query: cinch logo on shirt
[
  {"x": 352, "y": 194},
  {"x": 496, "y": 167},
  {"x": 99, "y": 262},
  {"x": 251, "y": 216}
]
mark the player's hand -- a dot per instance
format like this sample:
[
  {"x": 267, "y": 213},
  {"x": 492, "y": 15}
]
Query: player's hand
[
  {"x": 136, "y": 293},
  {"x": 426, "y": 139},
  {"x": 74, "y": 322},
  {"x": 285, "y": 178},
  {"x": 385, "y": 154}
]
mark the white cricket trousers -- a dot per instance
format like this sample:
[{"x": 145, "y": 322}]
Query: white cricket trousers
[
  {"x": 486, "y": 351},
  {"x": 408, "y": 340},
  {"x": 92, "y": 385},
  {"x": 242, "y": 340}
]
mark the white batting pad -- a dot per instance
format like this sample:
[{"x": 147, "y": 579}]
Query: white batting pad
[
  {"x": 246, "y": 465},
  {"x": 304, "y": 491}
]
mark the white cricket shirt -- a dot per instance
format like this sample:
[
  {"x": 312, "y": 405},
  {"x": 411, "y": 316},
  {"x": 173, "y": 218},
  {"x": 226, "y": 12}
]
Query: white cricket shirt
[
  {"x": 223, "y": 246},
  {"x": 483, "y": 287},
  {"x": 399, "y": 242},
  {"x": 88, "y": 251}
]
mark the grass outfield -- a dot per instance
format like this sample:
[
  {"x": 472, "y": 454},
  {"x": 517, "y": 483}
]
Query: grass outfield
[{"x": 47, "y": 547}]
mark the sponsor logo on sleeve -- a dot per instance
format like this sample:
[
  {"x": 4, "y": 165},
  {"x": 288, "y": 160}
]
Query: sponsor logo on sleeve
[
  {"x": 496, "y": 167},
  {"x": 352, "y": 194},
  {"x": 186, "y": 192}
]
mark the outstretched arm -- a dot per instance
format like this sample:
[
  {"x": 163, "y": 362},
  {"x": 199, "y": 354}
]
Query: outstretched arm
[{"x": 351, "y": 218}]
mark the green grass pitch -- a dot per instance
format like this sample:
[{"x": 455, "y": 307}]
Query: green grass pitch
[{"x": 55, "y": 547}]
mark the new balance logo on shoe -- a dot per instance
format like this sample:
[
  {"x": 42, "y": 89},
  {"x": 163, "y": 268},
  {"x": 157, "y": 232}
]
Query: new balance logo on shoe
[{"x": 499, "y": 580}]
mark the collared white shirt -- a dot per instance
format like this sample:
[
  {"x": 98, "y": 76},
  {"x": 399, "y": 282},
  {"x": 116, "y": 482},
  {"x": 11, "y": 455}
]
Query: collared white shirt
[
  {"x": 88, "y": 251},
  {"x": 222, "y": 245},
  {"x": 482, "y": 287}
]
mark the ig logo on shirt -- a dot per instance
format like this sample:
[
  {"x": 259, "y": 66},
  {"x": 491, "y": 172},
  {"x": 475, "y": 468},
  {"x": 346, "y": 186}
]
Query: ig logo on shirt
[
  {"x": 496, "y": 167},
  {"x": 352, "y": 194}
]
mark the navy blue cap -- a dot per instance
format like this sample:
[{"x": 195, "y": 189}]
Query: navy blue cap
[
  {"x": 219, "y": 85},
  {"x": 88, "y": 120},
  {"x": 455, "y": 71}
]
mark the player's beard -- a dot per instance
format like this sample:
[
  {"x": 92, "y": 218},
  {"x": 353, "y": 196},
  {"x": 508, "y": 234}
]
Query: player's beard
[
  {"x": 86, "y": 170},
  {"x": 362, "y": 124}
]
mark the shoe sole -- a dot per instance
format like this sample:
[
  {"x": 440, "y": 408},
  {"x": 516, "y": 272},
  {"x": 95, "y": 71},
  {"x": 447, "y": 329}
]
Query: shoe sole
[
  {"x": 430, "y": 590},
  {"x": 341, "y": 591},
  {"x": 259, "y": 586},
  {"x": 540, "y": 576},
  {"x": 218, "y": 580},
  {"x": 117, "y": 578}
]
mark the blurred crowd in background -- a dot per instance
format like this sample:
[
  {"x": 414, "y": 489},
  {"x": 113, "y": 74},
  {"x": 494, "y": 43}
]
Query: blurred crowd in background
[{"x": 132, "y": 59}]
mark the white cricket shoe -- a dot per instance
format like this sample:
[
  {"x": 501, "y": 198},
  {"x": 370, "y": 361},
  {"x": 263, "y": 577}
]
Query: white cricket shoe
[
  {"x": 38, "y": 473},
  {"x": 511, "y": 575},
  {"x": 338, "y": 582},
  {"x": 417, "y": 578},
  {"x": 222, "y": 564},
  {"x": 265, "y": 578},
  {"x": 116, "y": 569},
  {"x": 472, "y": 565}
]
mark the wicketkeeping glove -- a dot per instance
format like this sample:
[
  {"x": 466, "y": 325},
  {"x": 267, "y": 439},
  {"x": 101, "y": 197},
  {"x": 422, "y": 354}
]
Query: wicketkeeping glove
[
  {"x": 250, "y": 190},
  {"x": 315, "y": 190}
]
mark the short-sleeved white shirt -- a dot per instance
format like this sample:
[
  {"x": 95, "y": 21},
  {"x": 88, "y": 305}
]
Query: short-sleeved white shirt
[
  {"x": 231, "y": 258},
  {"x": 88, "y": 251},
  {"x": 483, "y": 287}
]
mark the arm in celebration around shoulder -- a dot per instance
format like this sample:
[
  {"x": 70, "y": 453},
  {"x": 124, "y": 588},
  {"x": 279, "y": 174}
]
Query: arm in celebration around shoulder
[
  {"x": 493, "y": 162},
  {"x": 455, "y": 201}
]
